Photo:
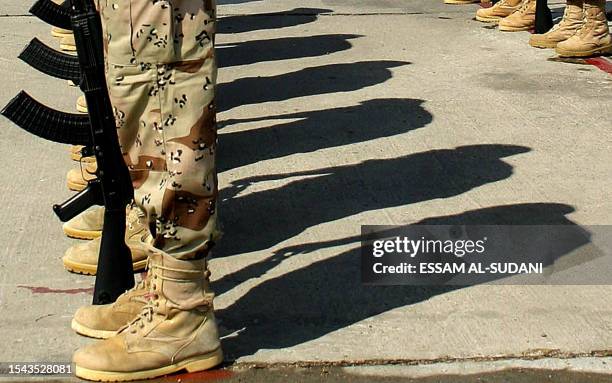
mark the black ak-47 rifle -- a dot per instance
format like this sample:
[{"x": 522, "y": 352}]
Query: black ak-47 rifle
[{"x": 97, "y": 132}]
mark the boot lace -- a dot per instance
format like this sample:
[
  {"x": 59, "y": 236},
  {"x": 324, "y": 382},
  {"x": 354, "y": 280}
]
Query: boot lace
[
  {"x": 501, "y": 3},
  {"x": 141, "y": 285},
  {"x": 524, "y": 6},
  {"x": 152, "y": 297},
  {"x": 146, "y": 315},
  {"x": 135, "y": 218},
  {"x": 585, "y": 28},
  {"x": 565, "y": 20}
]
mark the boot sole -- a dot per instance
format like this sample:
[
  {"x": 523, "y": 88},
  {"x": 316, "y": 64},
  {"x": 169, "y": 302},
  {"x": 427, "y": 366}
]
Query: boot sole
[
  {"x": 603, "y": 51},
  {"x": 75, "y": 186},
  {"x": 543, "y": 45},
  {"x": 59, "y": 35},
  {"x": 87, "y": 269},
  {"x": 68, "y": 48},
  {"x": 487, "y": 19},
  {"x": 195, "y": 364},
  {"x": 89, "y": 332},
  {"x": 78, "y": 158},
  {"x": 514, "y": 29},
  {"x": 81, "y": 234},
  {"x": 82, "y": 109}
]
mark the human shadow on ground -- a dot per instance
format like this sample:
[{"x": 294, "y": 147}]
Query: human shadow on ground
[
  {"x": 320, "y": 129},
  {"x": 328, "y": 295},
  {"x": 274, "y": 20},
  {"x": 333, "y": 78},
  {"x": 263, "y": 219},
  {"x": 255, "y": 51}
]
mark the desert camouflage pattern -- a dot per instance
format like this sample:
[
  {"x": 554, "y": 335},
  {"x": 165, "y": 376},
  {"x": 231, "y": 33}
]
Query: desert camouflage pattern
[{"x": 161, "y": 74}]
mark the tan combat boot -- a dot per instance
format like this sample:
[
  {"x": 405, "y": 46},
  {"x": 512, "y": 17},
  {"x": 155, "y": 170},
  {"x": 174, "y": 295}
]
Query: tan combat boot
[
  {"x": 60, "y": 32},
  {"x": 77, "y": 179},
  {"x": 103, "y": 321},
  {"x": 87, "y": 225},
  {"x": 176, "y": 330},
  {"x": 75, "y": 154},
  {"x": 67, "y": 43},
  {"x": 83, "y": 258},
  {"x": 522, "y": 19},
  {"x": 501, "y": 9},
  {"x": 593, "y": 39},
  {"x": 573, "y": 19},
  {"x": 81, "y": 104}
]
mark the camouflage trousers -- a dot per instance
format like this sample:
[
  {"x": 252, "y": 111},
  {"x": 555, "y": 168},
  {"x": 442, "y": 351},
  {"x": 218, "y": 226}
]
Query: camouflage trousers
[{"x": 161, "y": 74}]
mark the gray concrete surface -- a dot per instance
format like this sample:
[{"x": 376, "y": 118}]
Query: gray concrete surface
[{"x": 329, "y": 111}]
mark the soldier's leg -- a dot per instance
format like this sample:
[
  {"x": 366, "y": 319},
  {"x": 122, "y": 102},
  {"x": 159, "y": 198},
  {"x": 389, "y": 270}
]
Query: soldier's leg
[{"x": 162, "y": 75}]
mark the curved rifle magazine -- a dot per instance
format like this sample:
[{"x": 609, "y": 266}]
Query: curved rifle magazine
[
  {"x": 52, "y": 13},
  {"x": 50, "y": 124},
  {"x": 51, "y": 62}
]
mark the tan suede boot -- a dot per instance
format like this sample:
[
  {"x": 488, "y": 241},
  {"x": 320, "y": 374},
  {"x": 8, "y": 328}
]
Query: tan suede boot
[
  {"x": 501, "y": 9},
  {"x": 59, "y": 32},
  {"x": 593, "y": 39},
  {"x": 83, "y": 258},
  {"x": 77, "y": 179},
  {"x": 522, "y": 19},
  {"x": 81, "y": 104},
  {"x": 75, "y": 154},
  {"x": 176, "y": 330},
  {"x": 103, "y": 321},
  {"x": 572, "y": 21},
  {"x": 87, "y": 225},
  {"x": 67, "y": 43}
]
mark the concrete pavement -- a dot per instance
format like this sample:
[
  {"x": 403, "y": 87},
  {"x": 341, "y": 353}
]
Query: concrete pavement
[{"x": 328, "y": 111}]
